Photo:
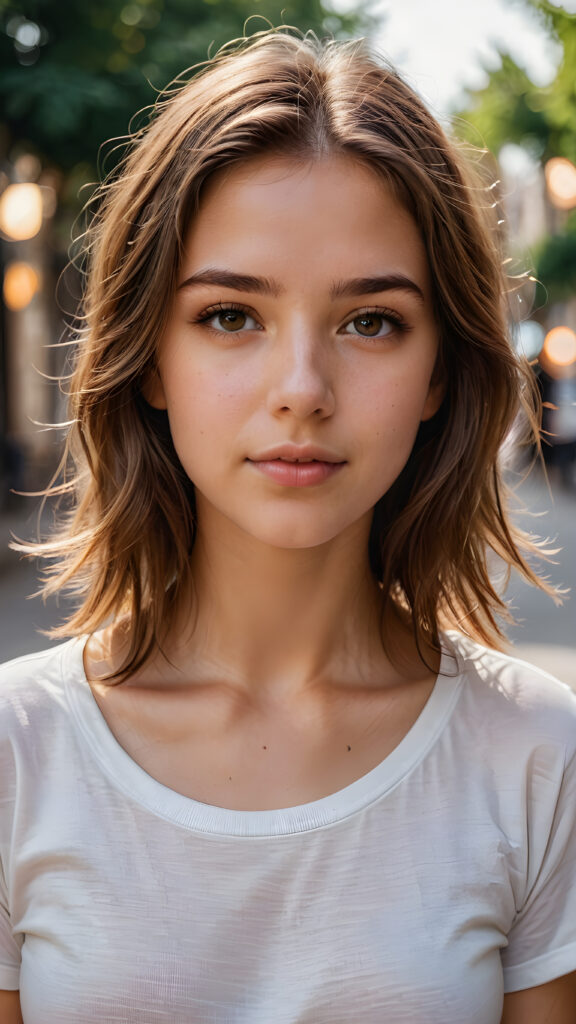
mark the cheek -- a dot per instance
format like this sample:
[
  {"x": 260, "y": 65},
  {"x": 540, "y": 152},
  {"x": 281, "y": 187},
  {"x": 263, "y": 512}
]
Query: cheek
[
  {"x": 206, "y": 407},
  {"x": 393, "y": 414},
  {"x": 395, "y": 406},
  {"x": 207, "y": 387}
]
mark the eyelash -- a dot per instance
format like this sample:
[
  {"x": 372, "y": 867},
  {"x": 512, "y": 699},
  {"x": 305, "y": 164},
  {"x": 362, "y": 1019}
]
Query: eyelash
[
  {"x": 222, "y": 307},
  {"x": 398, "y": 321}
]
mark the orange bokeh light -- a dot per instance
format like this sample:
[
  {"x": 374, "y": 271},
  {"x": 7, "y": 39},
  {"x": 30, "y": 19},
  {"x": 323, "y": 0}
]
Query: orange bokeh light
[
  {"x": 560, "y": 346},
  {"x": 21, "y": 211},
  {"x": 21, "y": 282},
  {"x": 561, "y": 182}
]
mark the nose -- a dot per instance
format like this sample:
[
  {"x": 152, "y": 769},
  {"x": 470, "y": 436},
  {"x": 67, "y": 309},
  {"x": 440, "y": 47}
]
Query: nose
[{"x": 301, "y": 376}]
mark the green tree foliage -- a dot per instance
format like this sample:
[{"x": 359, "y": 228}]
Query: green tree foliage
[
  {"x": 511, "y": 108},
  {"x": 556, "y": 264},
  {"x": 508, "y": 109},
  {"x": 73, "y": 72}
]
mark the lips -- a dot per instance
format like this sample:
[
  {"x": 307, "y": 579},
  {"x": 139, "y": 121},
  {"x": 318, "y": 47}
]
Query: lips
[
  {"x": 293, "y": 473},
  {"x": 292, "y": 453}
]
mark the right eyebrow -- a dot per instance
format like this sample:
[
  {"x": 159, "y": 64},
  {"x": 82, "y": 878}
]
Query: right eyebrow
[{"x": 229, "y": 279}]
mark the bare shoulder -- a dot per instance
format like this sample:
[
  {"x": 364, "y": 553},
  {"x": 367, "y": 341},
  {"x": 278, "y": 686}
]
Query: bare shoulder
[
  {"x": 552, "y": 1003},
  {"x": 10, "y": 1012}
]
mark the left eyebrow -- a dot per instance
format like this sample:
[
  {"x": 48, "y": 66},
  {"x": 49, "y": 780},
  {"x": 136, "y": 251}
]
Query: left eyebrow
[
  {"x": 265, "y": 286},
  {"x": 371, "y": 285}
]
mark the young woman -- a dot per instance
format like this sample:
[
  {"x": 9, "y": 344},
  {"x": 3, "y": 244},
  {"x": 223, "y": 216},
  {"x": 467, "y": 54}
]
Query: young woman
[{"x": 281, "y": 772}]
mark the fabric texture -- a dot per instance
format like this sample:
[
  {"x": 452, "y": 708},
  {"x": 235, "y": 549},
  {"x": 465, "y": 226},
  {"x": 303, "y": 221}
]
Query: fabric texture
[{"x": 418, "y": 894}]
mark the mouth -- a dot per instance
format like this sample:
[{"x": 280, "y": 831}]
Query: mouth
[
  {"x": 288, "y": 472},
  {"x": 280, "y": 458},
  {"x": 292, "y": 453}
]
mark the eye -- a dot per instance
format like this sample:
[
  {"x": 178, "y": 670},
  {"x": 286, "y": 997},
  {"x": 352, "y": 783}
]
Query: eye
[
  {"x": 376, "y": 323},
  {"x": 227, "y": 319}
]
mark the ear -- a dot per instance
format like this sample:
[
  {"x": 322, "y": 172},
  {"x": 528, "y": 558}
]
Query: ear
[{"x": 153, "y": 390}]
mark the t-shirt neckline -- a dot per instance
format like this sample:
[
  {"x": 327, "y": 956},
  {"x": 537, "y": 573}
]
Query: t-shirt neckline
[{"x": 128, "y": 776}]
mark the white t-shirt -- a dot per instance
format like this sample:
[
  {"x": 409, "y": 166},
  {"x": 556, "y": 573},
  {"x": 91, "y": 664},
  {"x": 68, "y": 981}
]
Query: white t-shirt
[{"x": 416, "y": 895}]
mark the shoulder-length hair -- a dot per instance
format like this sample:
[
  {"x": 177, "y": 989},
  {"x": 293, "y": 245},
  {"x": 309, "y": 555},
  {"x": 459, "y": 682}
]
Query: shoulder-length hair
[{"x": 124, "y": 547}]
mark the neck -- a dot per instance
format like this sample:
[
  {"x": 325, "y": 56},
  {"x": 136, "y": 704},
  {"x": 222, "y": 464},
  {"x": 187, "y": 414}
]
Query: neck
[
  {"x": 262, "y": 615},
  {"x": 277, "y": 622},
  {"x": 282, "y": 620}
]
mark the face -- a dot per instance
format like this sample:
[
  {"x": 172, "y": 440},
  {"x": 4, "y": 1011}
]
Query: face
[{"x": 302, "y": 328}]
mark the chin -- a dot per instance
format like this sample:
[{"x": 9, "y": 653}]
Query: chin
[
  {"x": 293, "y": 533},
  {"x": 293, "y": 540}
]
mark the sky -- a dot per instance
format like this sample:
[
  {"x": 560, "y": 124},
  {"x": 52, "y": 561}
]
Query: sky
[{"x": 441, "y": 45}]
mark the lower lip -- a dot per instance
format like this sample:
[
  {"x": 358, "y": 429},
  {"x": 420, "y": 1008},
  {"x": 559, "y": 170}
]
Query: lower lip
[{"x": 298, "y": 474}]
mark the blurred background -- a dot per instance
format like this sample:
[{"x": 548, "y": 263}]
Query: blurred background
[{"x": 500, "y": 75}]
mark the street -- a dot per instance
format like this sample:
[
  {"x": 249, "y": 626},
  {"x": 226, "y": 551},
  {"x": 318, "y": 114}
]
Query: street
[{"x": 545, "y": 634}]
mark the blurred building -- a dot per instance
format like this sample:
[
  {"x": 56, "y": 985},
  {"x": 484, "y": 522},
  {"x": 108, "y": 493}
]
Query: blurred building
[
  {"x": 537, "y": 201},
  {"x": 31, "y": 327}
]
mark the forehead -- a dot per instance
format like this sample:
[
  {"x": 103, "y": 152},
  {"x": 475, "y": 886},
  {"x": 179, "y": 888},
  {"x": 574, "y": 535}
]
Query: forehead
[{"x": 303, "y": 216}]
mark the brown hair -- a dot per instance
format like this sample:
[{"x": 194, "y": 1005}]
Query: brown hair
[{"x": 125, "y": 545}]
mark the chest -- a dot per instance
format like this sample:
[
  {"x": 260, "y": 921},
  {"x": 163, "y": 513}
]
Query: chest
[
  {"x": 326, "y": 928},
  {"x": 255, "y": 759}
]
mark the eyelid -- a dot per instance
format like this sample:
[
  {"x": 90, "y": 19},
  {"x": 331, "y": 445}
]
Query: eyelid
[
  {"x": 391, "y": 315},
  {"x": 223, "y": 307}
]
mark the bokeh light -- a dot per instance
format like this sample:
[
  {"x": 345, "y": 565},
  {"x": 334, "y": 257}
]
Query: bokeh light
[
  {"x": 21, "y": 211},
  {"x": 21, "y": 283},
  {"x": 561, "y": 182},
  {"x": 529, "y": 338},
  {"x": 560, "y": 346}
]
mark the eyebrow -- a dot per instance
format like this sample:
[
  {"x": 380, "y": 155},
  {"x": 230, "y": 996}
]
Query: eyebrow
[{"x": 265, "y": 286}]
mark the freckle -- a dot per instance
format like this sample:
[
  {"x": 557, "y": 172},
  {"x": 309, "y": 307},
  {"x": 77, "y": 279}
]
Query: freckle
[
  {"x": 348, "y": 747},
  {"x": 229, "y": 778}
]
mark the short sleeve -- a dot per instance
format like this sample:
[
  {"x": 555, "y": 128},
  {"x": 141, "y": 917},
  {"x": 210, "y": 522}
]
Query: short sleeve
[
  {"x": 9, "y": 946},
  {"x": 542, "y": 941}
]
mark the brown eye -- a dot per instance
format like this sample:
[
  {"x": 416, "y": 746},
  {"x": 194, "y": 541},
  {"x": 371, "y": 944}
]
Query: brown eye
[
  {"x": 231, "y": 319},
  {"x": 369, "y": 324},
  {"x": 227, "y": 320},
  {"x": 376, "y": 323}
]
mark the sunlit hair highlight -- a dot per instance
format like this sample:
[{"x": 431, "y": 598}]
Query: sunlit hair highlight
[{"x": 124, "y": 546}]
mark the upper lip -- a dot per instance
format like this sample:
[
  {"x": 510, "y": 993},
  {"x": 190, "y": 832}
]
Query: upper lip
[{"x": 295, "y": 452}]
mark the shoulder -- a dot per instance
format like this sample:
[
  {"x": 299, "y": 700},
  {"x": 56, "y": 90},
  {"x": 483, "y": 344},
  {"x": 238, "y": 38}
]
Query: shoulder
[
  {"x": 34, "y": 685},
  {"x": 35, "y": 721},
  {"x": 508, "y": 680},
  {"x": 513, "y": 700}
]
